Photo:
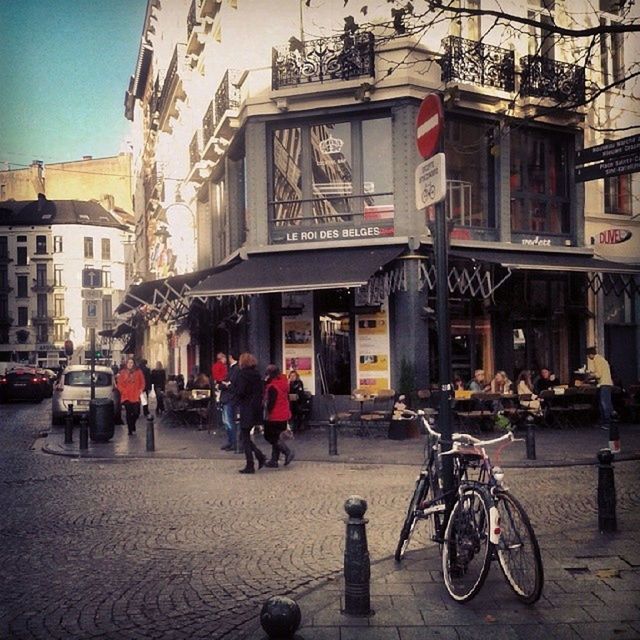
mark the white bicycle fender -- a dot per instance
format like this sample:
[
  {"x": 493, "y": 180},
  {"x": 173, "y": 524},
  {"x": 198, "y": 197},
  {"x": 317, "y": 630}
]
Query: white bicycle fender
[{"x": 494, "y": 522}]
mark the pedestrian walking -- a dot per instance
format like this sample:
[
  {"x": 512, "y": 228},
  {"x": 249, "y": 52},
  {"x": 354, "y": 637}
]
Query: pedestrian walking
[
  {"x": 278, "y": 412},
  {"x": 249, "y": 391},
  {"x": 131, "y": 385},
  {"x": 144, "y": 396},
  {"x": 600, "y": 371},
  {"x": 297, "y": 399},
  {"x": 228, "y": 403},
  {"x": 158, "y": 382}
]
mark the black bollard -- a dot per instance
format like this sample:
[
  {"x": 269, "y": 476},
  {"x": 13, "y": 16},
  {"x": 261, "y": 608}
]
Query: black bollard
[
  {"x": 614, "y": 438},
  {"x": 151, "y": 438},
  {"x": 333, "y": 436},
  {"x": 68, "y": 426},
  {"x": 357, "y": 566},
  {"x": 239, "y": 447},
  {"x": 530, "y": 438},
  {"x": 280, "y": 617},
  {"x": 84, "y": 432},
  {"x": 606, "y": 492}
]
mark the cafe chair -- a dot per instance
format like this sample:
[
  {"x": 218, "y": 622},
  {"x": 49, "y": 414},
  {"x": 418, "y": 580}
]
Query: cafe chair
[
  {"x": 379, "y": 417},
  {"x": 556, "y": 409}
]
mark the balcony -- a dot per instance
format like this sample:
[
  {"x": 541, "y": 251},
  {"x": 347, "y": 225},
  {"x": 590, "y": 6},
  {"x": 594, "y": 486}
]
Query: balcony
[
  {"x": 42, "y": 319},
  {"x": 153, "y": 184},
  {"x": 41, "y": 257},
  {"x": 196, "y": 29},
  {"x": 545, "y": 78},
  {"x": 42, "y": 286},
  {"x": 477, "y": 63},
  {"x": 172, "y": 89},
  {"x": 337, "y": 58},
  {"x": 227, "y": 95}
]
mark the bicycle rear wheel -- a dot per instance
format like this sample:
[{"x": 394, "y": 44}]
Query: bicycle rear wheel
[
  {"x": 466, "y": 550},
  {"x": 518, "y": 550},
  {"x": 420, "y": 494}
]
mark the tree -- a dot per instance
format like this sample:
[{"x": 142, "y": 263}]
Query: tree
[{"x": 591, "y": 34}]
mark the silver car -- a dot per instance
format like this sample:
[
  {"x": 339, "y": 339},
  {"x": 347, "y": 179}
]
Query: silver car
[{"x": 74, "y": 388}]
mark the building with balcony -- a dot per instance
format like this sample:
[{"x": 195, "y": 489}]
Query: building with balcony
[
  {"x": 44, "y": 246},
  {"x": 276, "y": 199}
]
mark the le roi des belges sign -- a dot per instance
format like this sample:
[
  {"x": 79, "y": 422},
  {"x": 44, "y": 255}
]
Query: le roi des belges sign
[{"x": 327, "y": 233}]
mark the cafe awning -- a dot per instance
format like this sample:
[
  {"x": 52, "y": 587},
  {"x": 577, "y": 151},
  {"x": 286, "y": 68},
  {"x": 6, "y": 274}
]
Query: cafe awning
[
  {"x": 162, "y": 294},
  {"x": 303, "y": 270}
]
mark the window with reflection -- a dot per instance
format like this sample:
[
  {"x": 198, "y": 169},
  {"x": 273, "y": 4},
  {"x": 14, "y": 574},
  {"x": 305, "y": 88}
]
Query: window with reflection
[
  {"x": 539, "y": 182},
  {"x": 470, "y": 173},
  {"x": 332, "y": 172}
]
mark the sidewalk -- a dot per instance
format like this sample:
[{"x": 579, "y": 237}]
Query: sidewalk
[
  {"x": 553, "y": 447},
  {"x": 592, "y": 580}
]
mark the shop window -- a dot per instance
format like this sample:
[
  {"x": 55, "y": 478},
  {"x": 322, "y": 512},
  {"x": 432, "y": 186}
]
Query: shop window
[
  {"x": 617, "y": 195},
  {"x": 539, "y": 182},
  {"x": 470, "y": 173},
  {"x": 331, "y": 173}
]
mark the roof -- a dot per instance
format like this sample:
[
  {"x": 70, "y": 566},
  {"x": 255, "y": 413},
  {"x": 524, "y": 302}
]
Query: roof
[{"x": 48, "y": 212}]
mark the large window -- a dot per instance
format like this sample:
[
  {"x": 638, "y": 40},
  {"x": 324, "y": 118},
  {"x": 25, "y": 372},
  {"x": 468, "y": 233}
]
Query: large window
[
  {"x": 23, "y": 286},
  {"x": 42, "y": 306},
  {"x": 617, "y": 195},
  {"x": 470, "y": 173},
  {"x": 332, "y": 172},
  {"x": 57, "y": 244},
  {"x": 4, "y": 248},
  {"x": 106, "y": 248},
  {"x": 58, "y": 306},
  {"x": 21, "y": 255},
  {"x": 88, "y": 247},
  {"x": 539, "y": 182},
  {"x": 41, "y": 275},
  {"x": 23, "y": 316},
  {"x": 41, "y": 245}
]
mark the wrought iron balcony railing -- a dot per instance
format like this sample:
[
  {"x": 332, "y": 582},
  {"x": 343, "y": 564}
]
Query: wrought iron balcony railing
[
  {"x": 208, "y": 124},
  {"x": 174, "y": 72},
  {"x": 194, "y": 151},
  {"x": 545, "y": 78},
  {"x": 42, "y": 319},
  {"x": 42, "y": 286},
  {"x": 477, "y": 63},
  {"x": 228, "y": 94},
  {"x": 336, "y": 58},
  {"x": 192, "y": 18}
]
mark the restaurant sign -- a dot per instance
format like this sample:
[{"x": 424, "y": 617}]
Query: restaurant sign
[
  {"x": 612, "y": 236},
  {"x": 322, "y": 233}
]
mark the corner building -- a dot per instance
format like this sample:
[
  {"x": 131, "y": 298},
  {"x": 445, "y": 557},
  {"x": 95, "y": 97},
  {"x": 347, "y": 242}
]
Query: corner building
[{"x": 275, "y": 199}]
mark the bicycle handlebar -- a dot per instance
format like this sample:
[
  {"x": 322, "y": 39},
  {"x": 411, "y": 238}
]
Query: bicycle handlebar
[{"x": 465, "y": 437}]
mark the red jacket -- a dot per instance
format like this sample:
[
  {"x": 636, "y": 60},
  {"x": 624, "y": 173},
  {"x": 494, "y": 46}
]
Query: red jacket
[
  {"x": 130, "y": 384},
  {"x": 279, "y": 409}
]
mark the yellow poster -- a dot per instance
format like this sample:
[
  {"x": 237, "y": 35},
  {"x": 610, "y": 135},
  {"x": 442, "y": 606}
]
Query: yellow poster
[{"x": 372, "y": 350}]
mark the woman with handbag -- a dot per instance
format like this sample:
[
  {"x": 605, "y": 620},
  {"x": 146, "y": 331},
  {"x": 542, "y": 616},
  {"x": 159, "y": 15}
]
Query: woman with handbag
[
  {"x": 277, "y": 413},
  {"x": 249, "y": 404},
  {"x": 131, "y": 384}
]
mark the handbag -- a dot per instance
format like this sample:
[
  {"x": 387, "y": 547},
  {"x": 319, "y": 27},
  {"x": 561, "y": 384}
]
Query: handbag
[
  {"x": 143, "y": 399},
  {"x": 287, "y": 434}
]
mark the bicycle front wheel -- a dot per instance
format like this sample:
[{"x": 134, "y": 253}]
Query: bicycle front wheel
[
  {"x": 466, "y": 550},
  {"x": 419, "y": 495},
  {"x": 518, "y": 550}
]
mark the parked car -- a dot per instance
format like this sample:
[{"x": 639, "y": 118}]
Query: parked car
[
  {"x": 74, "y": 388},
  {"x": 21, "y": 383},
  {"x": 48, "y": 378}
]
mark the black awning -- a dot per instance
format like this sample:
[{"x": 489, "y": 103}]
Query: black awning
[
  {"x": 547, "y": 261},
  {"x": 304, "y": 270},
  {"x": 160, "y": 292}
]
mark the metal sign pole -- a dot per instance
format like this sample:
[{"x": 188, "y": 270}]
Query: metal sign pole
[{"x": 93, "y": 363}]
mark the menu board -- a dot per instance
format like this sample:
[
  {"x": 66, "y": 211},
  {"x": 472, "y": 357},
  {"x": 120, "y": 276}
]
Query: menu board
[
  {"x": 297, "y": 339},
  {"x": 373, "y": 351}
]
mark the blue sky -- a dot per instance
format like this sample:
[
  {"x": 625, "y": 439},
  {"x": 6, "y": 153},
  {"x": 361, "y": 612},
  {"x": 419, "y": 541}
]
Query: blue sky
[{"x": 64, "y": 69}]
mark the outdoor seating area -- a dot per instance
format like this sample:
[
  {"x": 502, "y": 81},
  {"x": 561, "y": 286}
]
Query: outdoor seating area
[{"x": 188, "y": 407}]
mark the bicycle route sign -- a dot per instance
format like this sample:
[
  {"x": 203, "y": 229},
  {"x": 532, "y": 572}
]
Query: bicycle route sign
[{"x": 431, "y": 181}]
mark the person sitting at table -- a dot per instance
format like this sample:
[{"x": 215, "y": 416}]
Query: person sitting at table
[
  {"x": 524, "y": 387},
  {"x": 545, "y": 381},
  {"x": 500, "y": 383},
  {"x": 478, "y": 384},
  {"x": 458, "y": 383}
]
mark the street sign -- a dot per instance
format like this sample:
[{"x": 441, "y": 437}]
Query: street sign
[
  {"x": 429, "y": 125},
  {"x": 609, "y": 168},
  {"x": 91, "y": 314},
  {"x": 431, "y": 181},
  {"x": 91, "y": 278},
  {"x": 614, "y": 149},
  {"x": 91, "y": 294}
]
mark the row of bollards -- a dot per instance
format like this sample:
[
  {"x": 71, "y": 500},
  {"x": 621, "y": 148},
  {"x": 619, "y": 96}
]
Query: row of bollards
[{"x": 333, "y": 436}]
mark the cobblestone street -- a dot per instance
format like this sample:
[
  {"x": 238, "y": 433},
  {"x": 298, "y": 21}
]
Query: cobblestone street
[{"x": 175, "y": 548}]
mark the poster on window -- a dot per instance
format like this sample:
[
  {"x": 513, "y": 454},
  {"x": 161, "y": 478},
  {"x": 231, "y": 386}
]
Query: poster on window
[
  {"x": 297, "y": 338},
  {"x": 373, "y": 351}
]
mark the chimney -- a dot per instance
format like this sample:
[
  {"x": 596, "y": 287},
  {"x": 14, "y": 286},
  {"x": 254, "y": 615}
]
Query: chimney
[{"x": 42, "y": 199}]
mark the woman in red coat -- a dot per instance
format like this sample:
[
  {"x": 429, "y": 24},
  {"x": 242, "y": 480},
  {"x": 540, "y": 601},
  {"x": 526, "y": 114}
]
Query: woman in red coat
[
  {"x": 278, "y": 412},
  {"x": 131, "y": 384}
]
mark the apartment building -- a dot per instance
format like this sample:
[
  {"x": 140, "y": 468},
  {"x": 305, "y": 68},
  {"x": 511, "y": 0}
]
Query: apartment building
[{"x": 275, "y": 198}]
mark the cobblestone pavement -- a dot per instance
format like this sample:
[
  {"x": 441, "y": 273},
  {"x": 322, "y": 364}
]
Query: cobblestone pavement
[{"x": 187, "y": 548}]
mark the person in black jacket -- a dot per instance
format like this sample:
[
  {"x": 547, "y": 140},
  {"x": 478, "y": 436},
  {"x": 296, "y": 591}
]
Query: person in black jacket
[
  {"x": 158, "y": 382},
  {"x": 248, "y": 394},
  {"x": 147, "y": 386}
]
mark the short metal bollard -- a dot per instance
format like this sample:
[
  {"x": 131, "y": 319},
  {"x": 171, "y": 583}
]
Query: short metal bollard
[
  {"x": 239, "y": 446},
  {"x": 357, "y": 566},
  {"x": 530, "y": 438},
  {"x": 333, "y": 436},
  {"x": 280, "y": 617},
  {"x": 84, "y": 432},
  {"x": 68, "y": 426},
  {"x": 151, "y": 438},
  {"x": 606, "y": 492}
]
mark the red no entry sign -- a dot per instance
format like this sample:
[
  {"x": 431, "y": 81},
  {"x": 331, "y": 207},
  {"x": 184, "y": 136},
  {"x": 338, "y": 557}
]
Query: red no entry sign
[{"x": 429, "y": 125}]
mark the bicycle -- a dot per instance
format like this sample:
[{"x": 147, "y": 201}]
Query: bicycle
[{"x": 476, "y": 522}]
